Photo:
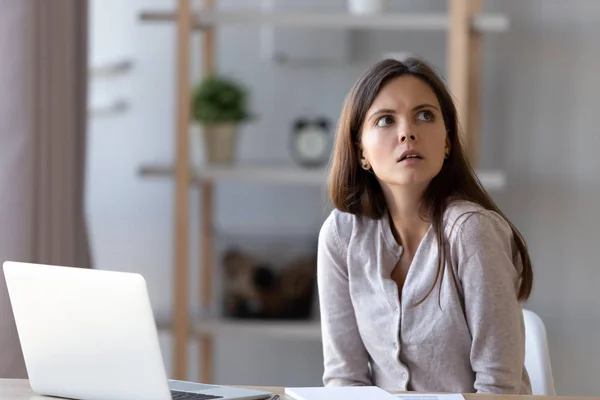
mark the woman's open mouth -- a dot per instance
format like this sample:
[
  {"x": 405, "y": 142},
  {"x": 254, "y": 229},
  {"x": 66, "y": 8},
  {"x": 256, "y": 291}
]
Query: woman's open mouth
[{"x": 410, "y": 157}]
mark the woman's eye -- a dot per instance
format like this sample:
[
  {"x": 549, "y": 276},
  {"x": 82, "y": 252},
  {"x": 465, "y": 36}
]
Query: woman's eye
[
  {"x": 425, "y": 115},
  {"x": 385, "y": 121}
]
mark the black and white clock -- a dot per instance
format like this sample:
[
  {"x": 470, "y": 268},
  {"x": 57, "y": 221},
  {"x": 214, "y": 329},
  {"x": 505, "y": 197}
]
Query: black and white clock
[{"x": 311, "y": 141}]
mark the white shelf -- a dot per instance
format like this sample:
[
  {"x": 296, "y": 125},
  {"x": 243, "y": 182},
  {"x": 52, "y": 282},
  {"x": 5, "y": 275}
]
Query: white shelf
[
  {"x": 289, "y": 330},
  {"x": 492, "y": 180},
  {"x": 116, "y": 106},
  {"x": 388, "y": 21},
  {"x": 114, "y": 68},
  {"x": 258, "y": 174}
]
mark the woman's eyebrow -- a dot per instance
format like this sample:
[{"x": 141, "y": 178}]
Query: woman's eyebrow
[
  {"x": 425, "y": 105},
  {"x": 382, "y": 111}
]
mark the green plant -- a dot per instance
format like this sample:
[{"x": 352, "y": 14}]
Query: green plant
[{"x": 219, "y": 100}]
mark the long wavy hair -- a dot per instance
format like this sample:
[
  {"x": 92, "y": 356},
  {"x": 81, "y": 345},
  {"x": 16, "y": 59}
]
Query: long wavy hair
[{"x": 356, "y": 191}]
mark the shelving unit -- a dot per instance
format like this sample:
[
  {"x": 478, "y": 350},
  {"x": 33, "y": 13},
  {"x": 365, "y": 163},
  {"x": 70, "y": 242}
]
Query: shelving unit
[{"x": 464, "y": 23}]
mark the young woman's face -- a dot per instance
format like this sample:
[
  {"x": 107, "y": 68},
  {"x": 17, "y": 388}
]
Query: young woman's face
[{"x": 404, "y": 137}]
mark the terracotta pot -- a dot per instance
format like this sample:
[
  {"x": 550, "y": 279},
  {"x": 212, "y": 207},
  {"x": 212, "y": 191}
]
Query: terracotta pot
[{"x": 220, "y": 143}]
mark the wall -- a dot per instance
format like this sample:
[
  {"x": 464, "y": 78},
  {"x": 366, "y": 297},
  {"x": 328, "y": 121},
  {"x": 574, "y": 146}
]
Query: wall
[
  {"x": 541, "y": 108},
  {"x": 538, "y": 124}
]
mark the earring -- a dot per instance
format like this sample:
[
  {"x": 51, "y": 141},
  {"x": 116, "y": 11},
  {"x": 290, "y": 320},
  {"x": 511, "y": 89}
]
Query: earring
[{"x": 365, "y": 164}]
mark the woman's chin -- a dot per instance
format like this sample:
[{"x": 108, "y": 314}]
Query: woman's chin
[
  {"x": 416, "y": 178},
  {"x": 416, "y": 182}
]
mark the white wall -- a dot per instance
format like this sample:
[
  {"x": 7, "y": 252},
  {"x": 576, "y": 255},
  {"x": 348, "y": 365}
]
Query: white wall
[
  {"x": 539, "y": 93},
  {"x": 542, "y": 108}
]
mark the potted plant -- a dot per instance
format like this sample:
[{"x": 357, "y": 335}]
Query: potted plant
[{"x": 219, "y": 106}]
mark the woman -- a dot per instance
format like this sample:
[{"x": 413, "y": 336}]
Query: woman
[{"x": 420, "y": 275}]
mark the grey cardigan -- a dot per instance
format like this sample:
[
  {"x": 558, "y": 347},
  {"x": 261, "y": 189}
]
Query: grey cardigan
[{"x": 474, "y": 343}]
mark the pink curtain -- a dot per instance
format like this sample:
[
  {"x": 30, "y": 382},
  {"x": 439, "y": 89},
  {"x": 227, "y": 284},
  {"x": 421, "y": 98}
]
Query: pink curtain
[{"x": 43, "y": 84}]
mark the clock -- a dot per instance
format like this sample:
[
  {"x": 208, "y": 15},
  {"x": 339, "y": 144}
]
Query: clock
[{"x": 311, "y": 141}]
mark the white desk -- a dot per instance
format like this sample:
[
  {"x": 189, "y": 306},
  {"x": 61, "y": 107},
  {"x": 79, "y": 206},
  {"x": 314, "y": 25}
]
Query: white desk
[{"x": 18, "y": 389}]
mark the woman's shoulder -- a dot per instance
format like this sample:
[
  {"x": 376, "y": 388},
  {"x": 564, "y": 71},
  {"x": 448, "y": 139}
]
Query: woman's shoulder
[
  {"x": 470, "y": 219},
  {"x": 345, "y": 225}
]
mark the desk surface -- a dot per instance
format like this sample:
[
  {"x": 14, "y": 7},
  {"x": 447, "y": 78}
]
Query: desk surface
[{"x": 18, "y": 389}]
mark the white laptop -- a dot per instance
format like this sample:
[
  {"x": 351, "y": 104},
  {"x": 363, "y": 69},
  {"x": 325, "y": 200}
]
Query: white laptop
[{"x": 90, "y": 334}]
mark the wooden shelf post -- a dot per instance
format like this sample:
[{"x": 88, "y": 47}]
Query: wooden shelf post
[
  {"x": 183, "y": 177},
  {"x": 464, "y": 71},
  {"x": 206, "y": 355},
  {"x": 206, "y": 341}
]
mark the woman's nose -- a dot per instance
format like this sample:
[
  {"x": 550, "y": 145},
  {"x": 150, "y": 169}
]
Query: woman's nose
[{"x": 406, "y": 136}]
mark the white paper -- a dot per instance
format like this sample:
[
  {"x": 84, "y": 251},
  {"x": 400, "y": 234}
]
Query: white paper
[
  {"x": 426, "y": 396},
  {"x": 339, "y": 393}
]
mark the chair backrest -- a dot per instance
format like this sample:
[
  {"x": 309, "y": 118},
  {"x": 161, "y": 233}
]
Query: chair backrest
[{"x": 537, "y": 355}]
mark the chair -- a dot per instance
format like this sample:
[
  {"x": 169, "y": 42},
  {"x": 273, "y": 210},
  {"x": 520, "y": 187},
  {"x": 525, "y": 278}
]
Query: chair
[{"x": 537, "y": 355}]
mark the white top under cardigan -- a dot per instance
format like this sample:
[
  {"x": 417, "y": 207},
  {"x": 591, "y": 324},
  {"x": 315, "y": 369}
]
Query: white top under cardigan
[{"x": 474, "y": 343}]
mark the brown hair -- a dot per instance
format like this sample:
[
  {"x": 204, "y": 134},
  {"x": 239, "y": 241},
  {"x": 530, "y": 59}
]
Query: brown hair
[{"x": 356, "y": 191}]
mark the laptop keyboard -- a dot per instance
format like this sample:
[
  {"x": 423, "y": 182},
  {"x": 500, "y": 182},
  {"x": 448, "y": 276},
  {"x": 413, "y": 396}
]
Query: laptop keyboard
[{"x": 177, "y": 395}]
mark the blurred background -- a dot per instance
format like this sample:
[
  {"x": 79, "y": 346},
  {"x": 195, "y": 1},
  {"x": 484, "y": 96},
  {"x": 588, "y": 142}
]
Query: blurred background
[{"x": 89, "y": 106}]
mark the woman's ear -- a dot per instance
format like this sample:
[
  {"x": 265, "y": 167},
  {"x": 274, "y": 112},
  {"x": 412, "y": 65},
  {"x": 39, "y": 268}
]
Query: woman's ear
[
  {"x": 447, "y": 148},
  {"x": 364, "y": 163},
  {"x": 361, "y": 154},
  {"x": 359, "y": 150}
]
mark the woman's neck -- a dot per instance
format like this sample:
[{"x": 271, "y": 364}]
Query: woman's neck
[{"x": 407, "y": 221}]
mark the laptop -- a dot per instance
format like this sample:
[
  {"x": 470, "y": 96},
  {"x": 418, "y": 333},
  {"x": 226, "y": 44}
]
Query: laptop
[{"x": 90, "y": 334}]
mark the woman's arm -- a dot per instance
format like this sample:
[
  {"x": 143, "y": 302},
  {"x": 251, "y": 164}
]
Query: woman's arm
[
  {"x": 346, "y": 360},
  {"x": 490, "y": 281}
]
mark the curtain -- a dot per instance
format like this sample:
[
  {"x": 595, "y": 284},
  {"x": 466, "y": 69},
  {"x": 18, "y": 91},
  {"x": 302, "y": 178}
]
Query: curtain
[{"x": 43, "y": 103}]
